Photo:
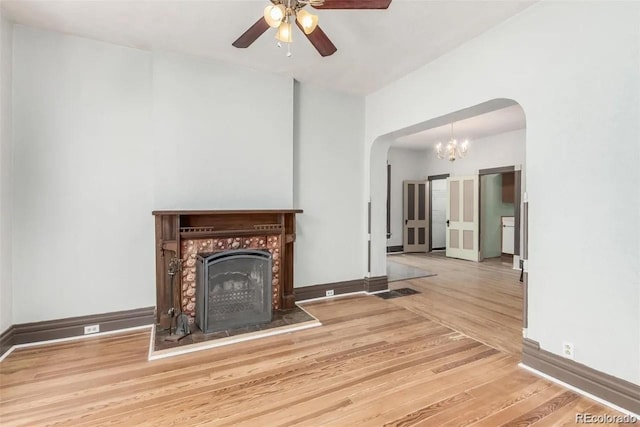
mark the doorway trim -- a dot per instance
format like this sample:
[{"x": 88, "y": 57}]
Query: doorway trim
[
  {"x": 516, "y": 201},
  {"x": 433, "y": 178}
]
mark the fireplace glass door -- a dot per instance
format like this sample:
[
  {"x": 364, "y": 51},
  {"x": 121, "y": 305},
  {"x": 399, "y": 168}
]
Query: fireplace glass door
[{"x": 233, "y": 289}]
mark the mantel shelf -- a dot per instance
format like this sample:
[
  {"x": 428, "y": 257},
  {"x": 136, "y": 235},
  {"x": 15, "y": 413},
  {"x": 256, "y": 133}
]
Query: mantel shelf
[{"x": 225, "y": 212}]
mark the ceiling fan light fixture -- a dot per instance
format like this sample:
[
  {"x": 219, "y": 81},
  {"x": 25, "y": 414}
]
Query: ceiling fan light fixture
[
  {"x": 279, "y": 12},
  {"x": 274, "y": 14},
  {"x": 284, "y": 32},
  {"x": 307, "y": 21}
]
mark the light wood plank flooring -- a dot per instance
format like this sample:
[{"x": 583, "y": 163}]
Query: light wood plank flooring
[
  {"x": 483, "y": 300},
  {"x": 373, "y": 363}
]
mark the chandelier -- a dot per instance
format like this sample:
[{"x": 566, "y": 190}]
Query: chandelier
[
  {"x": 282, "y": 14},
  {"x": 452, "y": 151}
]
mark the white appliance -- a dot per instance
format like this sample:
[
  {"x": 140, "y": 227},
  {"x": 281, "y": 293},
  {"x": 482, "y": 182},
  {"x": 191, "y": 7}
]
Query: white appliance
[{"x": 508, "y": 223}]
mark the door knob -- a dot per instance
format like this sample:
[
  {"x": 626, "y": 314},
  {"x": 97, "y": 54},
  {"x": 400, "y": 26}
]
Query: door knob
[{"x": 447, "y": 223}]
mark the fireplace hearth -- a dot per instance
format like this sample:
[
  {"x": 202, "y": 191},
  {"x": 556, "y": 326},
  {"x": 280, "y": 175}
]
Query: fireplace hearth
[{"x": 233, "y": 289}]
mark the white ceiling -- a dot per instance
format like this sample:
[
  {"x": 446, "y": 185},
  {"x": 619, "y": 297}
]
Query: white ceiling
[
  {"x": 492, "y": 123},
  {"x": 375, "y": 47}
]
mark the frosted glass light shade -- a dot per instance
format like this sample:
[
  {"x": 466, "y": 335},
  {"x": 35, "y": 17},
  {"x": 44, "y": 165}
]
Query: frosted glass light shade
[
  {"x": 284, "y": 32},
  {"x": 307, "y": 21},
  {"x": 274, "y": 14}
]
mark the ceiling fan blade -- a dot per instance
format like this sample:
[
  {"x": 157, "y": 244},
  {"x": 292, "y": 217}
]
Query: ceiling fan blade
[
  {"x": 252, "y": 34},
  {"x": 354, "y": 4},
  {"x": 320, "y": 41}
]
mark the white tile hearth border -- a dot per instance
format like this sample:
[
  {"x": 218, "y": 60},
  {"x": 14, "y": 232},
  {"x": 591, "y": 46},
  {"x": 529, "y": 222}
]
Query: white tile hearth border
[{"x": 190, "y": 348}]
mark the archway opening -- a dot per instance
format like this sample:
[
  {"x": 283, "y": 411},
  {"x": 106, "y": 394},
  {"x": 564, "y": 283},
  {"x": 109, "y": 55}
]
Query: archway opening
[{"x": 406, "y": 173}]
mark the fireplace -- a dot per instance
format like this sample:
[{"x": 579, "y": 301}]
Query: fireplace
[
  {"x": 233, "y": 289},
  {"x": 188, "y": 235}
]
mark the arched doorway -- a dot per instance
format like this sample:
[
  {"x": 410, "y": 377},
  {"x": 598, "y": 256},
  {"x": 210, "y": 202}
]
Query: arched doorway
[{"x": 476, "y": 283}]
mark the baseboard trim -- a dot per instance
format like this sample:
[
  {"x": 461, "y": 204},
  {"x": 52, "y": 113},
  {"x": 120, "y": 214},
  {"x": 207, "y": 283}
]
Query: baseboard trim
[
  {"x": 6, "y": 340},
  {"x": 376, "y": 284},
  {"x": 49, "y": 330},
  {"x": 607, "y": 387},
  {"x": 391, "y": 249},
  {"x": 317, "y": 291},
  {"x": 368, "y": 284}
]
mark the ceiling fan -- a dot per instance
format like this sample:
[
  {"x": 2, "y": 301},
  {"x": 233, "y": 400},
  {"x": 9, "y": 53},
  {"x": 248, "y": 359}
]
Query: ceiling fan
[{"x": 280, "y": 14}]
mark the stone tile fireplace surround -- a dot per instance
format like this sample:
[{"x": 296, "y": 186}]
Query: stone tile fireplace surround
[{"x": 184, "y": 234}]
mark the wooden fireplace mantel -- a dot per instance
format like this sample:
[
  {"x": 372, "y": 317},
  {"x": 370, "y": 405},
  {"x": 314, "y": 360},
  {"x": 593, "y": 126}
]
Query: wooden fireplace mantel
[
  {"x": 229, "y": 212},
  {"x": 226, "y": 229}
]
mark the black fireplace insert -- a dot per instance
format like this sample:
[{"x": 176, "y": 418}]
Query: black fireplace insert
[{"x": 233, "y": 289}]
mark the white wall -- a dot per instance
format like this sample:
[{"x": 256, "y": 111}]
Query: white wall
[
  {"x": 405, "y": 165},
  {"x": 329, "y": 128},
  {"x": 82, "y": 228},
  {"x": 222, "y": 136},
  {"x": 105, "y": 134},
  {"x": 6, "y": 53},
  {"x": 574, "y": 68}
]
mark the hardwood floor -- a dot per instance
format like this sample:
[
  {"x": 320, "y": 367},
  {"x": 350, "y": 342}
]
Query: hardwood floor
[
  {"x": 483, "y": 300},
  {"x": 372, "y": 363}
]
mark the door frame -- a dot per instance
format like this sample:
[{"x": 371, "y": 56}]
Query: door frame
[
  {"x": 433, "y": 178},
  {"x": 517, "y": 188}
]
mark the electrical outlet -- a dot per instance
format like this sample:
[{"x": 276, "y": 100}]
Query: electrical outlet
[
  {"x": 329, "y": 293},
  {"x": 91, "y": 329},
  {"x": 567, "y": 350}
]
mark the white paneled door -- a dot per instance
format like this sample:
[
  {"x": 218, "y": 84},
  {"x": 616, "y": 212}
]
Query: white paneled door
[
  {"x": 416, "y": 216},
  {"x": 462, "y": 217}
]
